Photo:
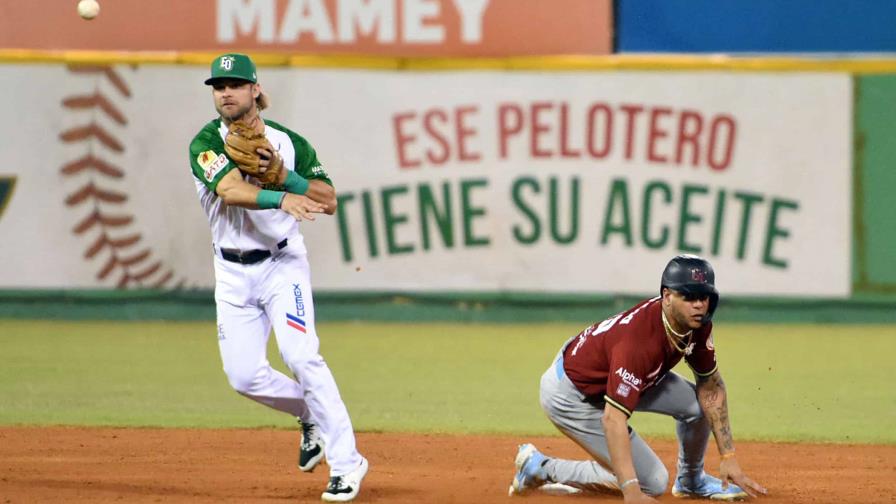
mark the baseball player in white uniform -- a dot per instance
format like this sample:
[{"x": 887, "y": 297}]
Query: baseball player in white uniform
[{"x": 262, "y": 276}]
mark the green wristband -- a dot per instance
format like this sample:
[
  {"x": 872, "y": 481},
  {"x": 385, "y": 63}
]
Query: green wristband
[
  {"x": 269, "y": 199},
  {"x": 295, "y": 183}
]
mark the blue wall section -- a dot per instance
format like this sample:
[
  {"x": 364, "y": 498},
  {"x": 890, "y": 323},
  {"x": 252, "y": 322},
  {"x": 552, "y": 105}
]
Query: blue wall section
[{"x": 755, "y": 26}]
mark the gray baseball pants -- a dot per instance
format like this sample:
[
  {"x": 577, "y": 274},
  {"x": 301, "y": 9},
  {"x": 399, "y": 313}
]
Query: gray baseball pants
[{"x": 565, "y": 406}]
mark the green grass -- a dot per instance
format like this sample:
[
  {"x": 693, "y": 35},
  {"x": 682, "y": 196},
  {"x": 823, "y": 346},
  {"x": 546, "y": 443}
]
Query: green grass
[{"x": 785, "y": 382}]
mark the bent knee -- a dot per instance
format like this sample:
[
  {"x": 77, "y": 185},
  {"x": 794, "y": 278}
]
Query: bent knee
[
  {"x": 655, "y": 483},
  {"x": 692, "y": 414},
  {"x": 302, "y": 364},
  {"x": 245, "y": 380}
]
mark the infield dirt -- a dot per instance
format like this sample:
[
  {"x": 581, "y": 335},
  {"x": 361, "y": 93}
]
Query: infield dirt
[{"x": 62, "y": 464}]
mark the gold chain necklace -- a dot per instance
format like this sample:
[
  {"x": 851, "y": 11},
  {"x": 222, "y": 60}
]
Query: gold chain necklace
[{"x": 674, "y": 340}]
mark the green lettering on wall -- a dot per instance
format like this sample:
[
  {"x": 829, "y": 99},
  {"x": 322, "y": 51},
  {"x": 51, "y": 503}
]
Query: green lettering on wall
[
  {"x": 470, "y": 212},
  {"x": 573, "y": 232},
  {"x": 719, "y": 220},
  {"x": 517, "y": 195},
  {"x": 369, "y": 224},
  {"x": 775, "y": 231},
  {"x": 342, "y": 217},
  {"x": 429, "y": 209},
  {"x": 686, "y": 217},
  {"x": 748, "y": 200},
  {"x": 653, "y": 187},
  {"x": 618, "y": 201},
  {"x": 393, "y": 220}
]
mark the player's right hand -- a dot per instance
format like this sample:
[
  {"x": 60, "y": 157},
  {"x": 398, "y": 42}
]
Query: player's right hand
[
  {"x": 300, "y": 207},
  {"x": 729, "y": 470}
]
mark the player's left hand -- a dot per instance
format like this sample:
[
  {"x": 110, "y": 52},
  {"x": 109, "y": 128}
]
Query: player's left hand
[
  {"x": 729, "y": 470},
  {"x": 270, "y": 160},
  {"x": 300, "y": 207},
  {"x": 244, "y": 145}
]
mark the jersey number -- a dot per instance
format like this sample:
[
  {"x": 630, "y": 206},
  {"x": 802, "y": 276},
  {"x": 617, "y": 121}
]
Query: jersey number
[
  {"x": 601, "y": 328},
  {"x": 605, "y": 325}
]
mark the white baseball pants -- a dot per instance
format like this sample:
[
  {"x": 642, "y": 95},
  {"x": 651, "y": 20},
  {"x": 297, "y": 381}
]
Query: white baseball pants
[{"x": 276, "y": 292}]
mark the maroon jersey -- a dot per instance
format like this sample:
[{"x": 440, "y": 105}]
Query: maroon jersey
[{"x": 617, "y": 360}]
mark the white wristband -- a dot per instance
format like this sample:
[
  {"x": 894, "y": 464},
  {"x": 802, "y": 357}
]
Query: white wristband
[{"x": 628, "y": 482}]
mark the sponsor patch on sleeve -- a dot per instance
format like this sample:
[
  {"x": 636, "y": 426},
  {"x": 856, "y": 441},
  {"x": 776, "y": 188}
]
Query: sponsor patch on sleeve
[
  {"x": 629, "y": 378},
  {"x": 211, "y": 163},
  {"x": 623, "y": 390},
  {"x": 318, "y": 170},
  {"x": 206, "y": 158}
]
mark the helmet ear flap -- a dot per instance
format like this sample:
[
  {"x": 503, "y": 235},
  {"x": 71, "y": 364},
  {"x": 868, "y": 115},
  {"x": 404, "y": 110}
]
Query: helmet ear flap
[{"x": 713, "y": 304}]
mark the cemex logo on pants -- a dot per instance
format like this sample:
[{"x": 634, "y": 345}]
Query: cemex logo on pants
[{"x": 295, "y": 320}]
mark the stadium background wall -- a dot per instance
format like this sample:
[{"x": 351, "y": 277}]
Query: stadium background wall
[{"x": 850, "y": 28}]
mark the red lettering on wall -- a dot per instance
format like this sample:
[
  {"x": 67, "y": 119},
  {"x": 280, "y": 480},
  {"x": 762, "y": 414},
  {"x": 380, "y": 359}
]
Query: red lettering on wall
[
  {"x": 656, "y": 132},
  {"x": 403, "y": 140},
  {"x": 510, "y": 123},
  {"x": 722, "y": 131},
  {"x": 602, "y": 110},
  {"x": 690, "y": 125},
  {"x": 565, "y": 149},
  {"x": 464, "y": 132},
  {"x": 539, "y": 129},
  {"x": 630, "y": 112},
  {"x": 429, "y": 125}
]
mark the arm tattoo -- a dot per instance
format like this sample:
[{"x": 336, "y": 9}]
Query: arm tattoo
[{"x": 714, "y": 401}]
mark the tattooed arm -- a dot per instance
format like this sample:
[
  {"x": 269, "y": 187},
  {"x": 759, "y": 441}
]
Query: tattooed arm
[{"x": 714, "y": 401}]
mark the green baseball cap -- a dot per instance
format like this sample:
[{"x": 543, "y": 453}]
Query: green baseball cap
[{"x": 232, "y": 66}]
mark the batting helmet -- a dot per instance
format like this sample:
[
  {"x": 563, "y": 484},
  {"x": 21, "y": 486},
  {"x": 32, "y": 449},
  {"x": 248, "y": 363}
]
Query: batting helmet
[{"x": 690, "y": 274}]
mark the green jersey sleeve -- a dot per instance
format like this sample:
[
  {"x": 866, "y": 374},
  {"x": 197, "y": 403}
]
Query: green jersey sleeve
[
  {"x": 307, "y": 165},
  {"x": 207, "y": 157}
]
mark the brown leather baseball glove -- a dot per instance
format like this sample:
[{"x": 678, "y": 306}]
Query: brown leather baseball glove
[{"x": 242, "y": 143}]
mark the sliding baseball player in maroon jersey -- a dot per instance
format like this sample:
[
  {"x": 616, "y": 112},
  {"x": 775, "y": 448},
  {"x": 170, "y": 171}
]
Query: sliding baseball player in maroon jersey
[{"x": 621, "y": 365}]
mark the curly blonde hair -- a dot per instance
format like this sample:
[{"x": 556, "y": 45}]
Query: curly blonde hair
[{"x": 262, "y": 102}]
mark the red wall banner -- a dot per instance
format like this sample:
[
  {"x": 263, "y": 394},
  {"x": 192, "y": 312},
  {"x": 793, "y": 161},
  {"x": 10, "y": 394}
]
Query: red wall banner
[{"x": 375, "y": 27}]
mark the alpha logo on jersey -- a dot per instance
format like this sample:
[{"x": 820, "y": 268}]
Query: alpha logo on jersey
[
  {"x": 211, "y": 163},
  {"x": 623, "y": 390},
  {"x": 629, "y": 378}
]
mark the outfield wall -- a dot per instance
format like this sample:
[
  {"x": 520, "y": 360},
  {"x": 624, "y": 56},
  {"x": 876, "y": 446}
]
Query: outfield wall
[
  {"x": 492, "y": 28},
  {"x": 467, "y": 189},
  {"x": 875, "y": 253}
]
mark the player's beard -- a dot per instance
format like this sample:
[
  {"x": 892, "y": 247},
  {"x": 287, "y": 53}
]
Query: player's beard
[
  {"x": 236, "y": 115},
  {"x": 681, "y": 320},
  {"x": 685, "y": 321}
]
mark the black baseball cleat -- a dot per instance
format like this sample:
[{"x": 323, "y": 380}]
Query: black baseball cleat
[
  {"x": 346, "y": 487},
  {"x": 311, "y": 450}
]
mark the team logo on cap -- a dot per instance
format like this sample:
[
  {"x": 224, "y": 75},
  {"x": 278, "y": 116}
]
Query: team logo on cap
[{"x": 227, "y": 62}]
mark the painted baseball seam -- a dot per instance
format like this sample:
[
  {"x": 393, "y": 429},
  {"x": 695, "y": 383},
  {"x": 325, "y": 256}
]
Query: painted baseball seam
[{"x": 134, "y": 267}]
